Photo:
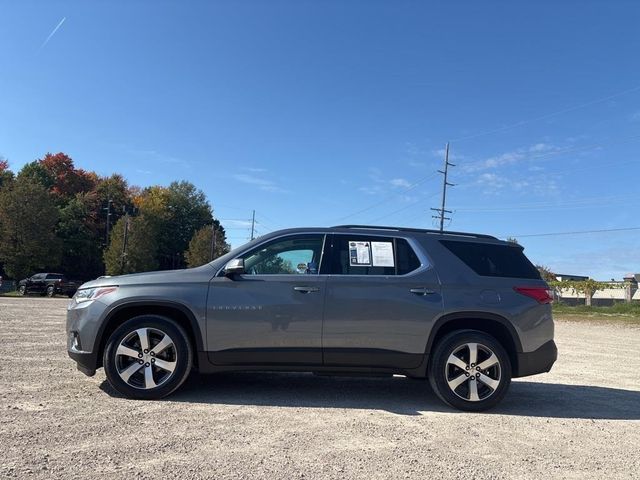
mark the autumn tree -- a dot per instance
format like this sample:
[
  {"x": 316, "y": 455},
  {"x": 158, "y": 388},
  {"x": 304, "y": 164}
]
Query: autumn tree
[
  {"x": 27, "y": 221},
  {"x": 140, "y": 254},
  {"x": 199, "y": 251}
]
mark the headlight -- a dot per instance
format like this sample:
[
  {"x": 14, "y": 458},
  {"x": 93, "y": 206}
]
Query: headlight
[{"x": 90, "y": 294}]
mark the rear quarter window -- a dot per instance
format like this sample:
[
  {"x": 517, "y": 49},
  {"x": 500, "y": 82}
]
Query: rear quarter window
[{"x": 492, "y": 260}]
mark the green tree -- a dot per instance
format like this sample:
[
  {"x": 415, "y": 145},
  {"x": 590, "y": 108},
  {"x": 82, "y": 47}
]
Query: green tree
[
  {"x": 140, "y": 253},
  {"x": 37, "y": 173},
  {"x": 6, "y": 175},
  {"x": 27, "y": 221},
  {"x": 176, "y": 212},
  {"x": 199, "y": 251},
  {"x": 546, "y": 274},
  {"x": 512, "y": 240},
  {"x": 81, "y": 255},
  {"x": 585, "y": 287}
]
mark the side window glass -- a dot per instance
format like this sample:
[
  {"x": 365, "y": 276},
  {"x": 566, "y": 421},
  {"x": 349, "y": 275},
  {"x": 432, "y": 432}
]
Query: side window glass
[
  {"x": 406, "y": 258},
  {"x": 363, "y": 255},
  {"x": 294, "y": 255}
]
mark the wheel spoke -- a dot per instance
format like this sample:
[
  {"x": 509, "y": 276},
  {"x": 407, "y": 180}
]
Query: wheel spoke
[
  {"x": 488, "y": 381},
  {"x": 453, "y": 360},
  {"x": 456, "y": 382},
  {"x": 473, "y": 391},
  {"x": 149, "y": 382},
  {"x": 164, "y": 343},
  {"x": 163, "y": 364},
  {"x": 489, "y": 362},
  {"x": 473, "y": 352},
  {"x": 130, "y": 370},
  {"x": 143, "y": 335},
  {"x": 128, "y": 352}
]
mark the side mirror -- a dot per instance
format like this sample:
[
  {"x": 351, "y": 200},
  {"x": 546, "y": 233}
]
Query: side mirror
[{"x": 234, "y": 267}]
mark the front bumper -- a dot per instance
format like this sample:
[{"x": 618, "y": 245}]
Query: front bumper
[
  {"x": 538, "y": 361},
  {"x": 83, "y": 321},
  {"x": 85, "y": 362}
]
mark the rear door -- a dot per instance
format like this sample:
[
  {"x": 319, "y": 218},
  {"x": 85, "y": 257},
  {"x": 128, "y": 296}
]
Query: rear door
[
  {"x": 382, "y": 298},
  {"x": 272, "y": 314},
  {"x": 37, "y": 283}
]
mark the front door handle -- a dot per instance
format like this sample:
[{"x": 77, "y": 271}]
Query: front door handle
[
  {"x": 422, "y": 291},
  {"x": 306, "y": 289}
]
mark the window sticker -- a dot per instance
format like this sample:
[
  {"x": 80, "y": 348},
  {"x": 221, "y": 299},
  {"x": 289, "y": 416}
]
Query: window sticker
[
  {"x": 359, "y": 254},
  {"x": 382, "y": 253}
]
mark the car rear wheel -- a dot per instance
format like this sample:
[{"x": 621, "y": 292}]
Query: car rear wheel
[
  {"x": 148, "y": 357},
  {"x": 51, "y": 291},
  {"x": 470, "y": 370}
]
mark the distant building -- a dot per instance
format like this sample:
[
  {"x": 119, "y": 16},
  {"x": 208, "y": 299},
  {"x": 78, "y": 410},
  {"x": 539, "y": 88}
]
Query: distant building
[{"x": 561, "y": 277}]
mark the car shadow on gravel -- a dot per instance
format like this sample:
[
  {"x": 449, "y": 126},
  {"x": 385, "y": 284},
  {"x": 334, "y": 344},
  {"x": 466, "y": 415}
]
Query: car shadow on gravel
[{"x": 399, "y": 395}]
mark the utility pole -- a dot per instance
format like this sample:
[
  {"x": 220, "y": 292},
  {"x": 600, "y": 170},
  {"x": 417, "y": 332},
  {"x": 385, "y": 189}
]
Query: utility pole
[
  {"x": 125, "y": 237},
  {"x": 442, "y": 211},
  {"x": 253, "y": 224},
  {"x": 108, "y": 209},
  {"x": 212, "y": 254}
]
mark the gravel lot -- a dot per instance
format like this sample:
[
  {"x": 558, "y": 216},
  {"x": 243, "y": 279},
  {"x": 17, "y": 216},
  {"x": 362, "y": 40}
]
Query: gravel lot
[{"x": 581, "y": 420}]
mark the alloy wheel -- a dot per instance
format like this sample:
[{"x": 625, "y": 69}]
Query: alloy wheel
[
  {"x": 473, "y": 372},
  {"x": 146, "y": 358}
]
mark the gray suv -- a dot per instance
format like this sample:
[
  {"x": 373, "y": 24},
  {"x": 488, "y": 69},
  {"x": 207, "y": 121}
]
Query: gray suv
[{"x": 465, "y": 310}]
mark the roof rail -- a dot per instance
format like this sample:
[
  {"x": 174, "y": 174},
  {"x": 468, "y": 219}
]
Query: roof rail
[{"x": 418, "y": 230}]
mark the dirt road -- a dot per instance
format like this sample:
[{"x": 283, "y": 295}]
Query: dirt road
[{"x": 580, "y": 421}]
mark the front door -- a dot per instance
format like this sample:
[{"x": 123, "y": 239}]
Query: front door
[
  {"x": 272, "y": 314},
  {"x": 382, "y": 300}
]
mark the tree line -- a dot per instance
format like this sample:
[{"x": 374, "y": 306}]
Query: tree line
[{"x": 56, "y": 217}]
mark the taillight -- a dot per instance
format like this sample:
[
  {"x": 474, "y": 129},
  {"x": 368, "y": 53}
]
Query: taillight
[{"x": 539, "y": 294}]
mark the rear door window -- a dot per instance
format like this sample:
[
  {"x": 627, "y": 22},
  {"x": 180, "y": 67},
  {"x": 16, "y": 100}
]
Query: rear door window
[
  {"x": 371, "y": 255},
  {"x": 492, "y": 260}
]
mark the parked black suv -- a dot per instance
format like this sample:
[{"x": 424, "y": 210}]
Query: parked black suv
[{"x": 48, "y": 284}]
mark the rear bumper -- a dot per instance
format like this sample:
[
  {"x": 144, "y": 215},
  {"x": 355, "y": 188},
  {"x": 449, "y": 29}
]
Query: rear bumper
[{"x": 538, "y": 361}]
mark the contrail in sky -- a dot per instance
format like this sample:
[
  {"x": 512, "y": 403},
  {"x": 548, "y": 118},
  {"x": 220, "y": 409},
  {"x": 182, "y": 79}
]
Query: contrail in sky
[{"x": 53, "y": 33}]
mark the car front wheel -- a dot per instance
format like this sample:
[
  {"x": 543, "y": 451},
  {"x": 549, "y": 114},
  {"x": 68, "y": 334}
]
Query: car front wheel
[
  {"x": 470, "y": 370},
  {"x": 22, "y": 290},
  {"x": 148, "y": 357}
]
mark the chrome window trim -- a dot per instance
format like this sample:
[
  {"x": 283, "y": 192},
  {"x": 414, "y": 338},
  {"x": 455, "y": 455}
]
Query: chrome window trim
[{"x": 425, "y": 263}]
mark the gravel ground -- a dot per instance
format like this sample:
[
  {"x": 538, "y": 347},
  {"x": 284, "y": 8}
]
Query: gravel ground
[{"x": 580, "y": 421}]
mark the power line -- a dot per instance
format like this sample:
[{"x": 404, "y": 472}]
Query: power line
[
  {"x": 548, "y": 115},
  {"x": 384, "y": 200}
]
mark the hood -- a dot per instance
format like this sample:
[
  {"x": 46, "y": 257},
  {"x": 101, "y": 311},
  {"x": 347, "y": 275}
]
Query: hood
[{"x": 162, "y": 276}]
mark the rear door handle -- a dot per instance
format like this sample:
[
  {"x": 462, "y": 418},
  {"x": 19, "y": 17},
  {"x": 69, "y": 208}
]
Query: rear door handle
[
  {"x": 422, "y": 291},
  {"x": 306, "y": 289}
]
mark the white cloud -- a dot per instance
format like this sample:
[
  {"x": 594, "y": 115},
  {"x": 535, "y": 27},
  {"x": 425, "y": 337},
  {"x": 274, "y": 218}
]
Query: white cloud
[
  {"x": 512, "y": 157},
  {"x": 635, "y": 117},
  {"x": 400, "y": 182},
  {"x": 262, "y": 183}
]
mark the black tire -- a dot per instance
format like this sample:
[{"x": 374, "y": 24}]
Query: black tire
[
  {"x": 22, "y": 290},
  {"x": 181, "y": 354},
  {"x": 441, "y": 372},
  {"x": 51, "y": 291}
]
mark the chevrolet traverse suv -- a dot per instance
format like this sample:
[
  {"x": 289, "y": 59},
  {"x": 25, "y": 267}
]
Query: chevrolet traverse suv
[{"x": 467, "y": 311}]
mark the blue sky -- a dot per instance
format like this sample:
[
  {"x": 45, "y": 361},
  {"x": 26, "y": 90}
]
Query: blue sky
[{"x": 329, "y": 112}]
